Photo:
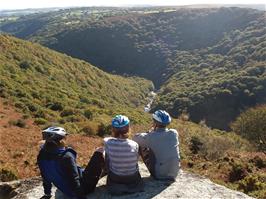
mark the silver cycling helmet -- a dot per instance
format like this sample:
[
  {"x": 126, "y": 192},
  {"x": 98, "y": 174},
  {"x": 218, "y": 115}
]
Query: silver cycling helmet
[{"x": 54, "y": 133}]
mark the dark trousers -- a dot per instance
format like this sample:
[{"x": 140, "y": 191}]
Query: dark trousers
[
  {"x": 92, "y": 172},
  {"x": 149, "y": 159},
  {"x": 117, "y": 185}
]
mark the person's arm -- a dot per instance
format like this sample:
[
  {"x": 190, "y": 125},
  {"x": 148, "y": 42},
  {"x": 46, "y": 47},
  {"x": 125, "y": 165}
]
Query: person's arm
[
  {"x": 141, "y": 139},
  {"x": 47, "y": 185},
  {"x": 70, "y": 169},
  {"x": 106, "y": 149},
  {"x": 176, "y": 135}
]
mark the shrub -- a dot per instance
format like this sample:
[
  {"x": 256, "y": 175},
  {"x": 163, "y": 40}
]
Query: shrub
[
  {"x": 259, "y": 162},
  {"x": 7, "y": 175},
  {"x": 20, "y": 105},
  {"x": 3, "y": 93},
  {"x": 26, "y": 116},
  {"x": 238, "y": 172},
  {"x": 250, "y": 183},
  {"x": 19, "y": 123},
  {"x": 71, "y": 128},
  {"x": 24, "y": 64},
  {"x": 214, "y": 147},
  {"x": 56, "y": 106},
  {"x": 40, "y": 121},
  {"x": 85, "y": 100},
  {"x": 195, "y": 144},
  {"x": 62, "y": 121},
  {"x": 251, "y": 124},
  {"x": 73, "y": 118},
  {"x": 88, "y": 114},
  {"x": 21, "y": 94},
  {"x": 32, "y": 107},
  {"x": 39, "y": 114},
  {"x": 89, "y": 130},
  {"x": 104, "y": 129},
  {"x": 98, "y": 103},
  {"x": 35, "y": 95},
  {"x": 40, "y": 69},
  {"x": 67, "y": 112}
]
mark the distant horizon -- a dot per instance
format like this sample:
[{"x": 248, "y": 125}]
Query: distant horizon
[
  {"x": 46, "y": 4},
  {"x": 129, "y": 5}
]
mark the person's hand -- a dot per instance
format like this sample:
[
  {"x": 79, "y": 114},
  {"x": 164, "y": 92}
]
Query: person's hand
[
  {"x": 100, "y": 149},
  {"x": 151, "y": 129},
  {"x": 46, "y": 197}
]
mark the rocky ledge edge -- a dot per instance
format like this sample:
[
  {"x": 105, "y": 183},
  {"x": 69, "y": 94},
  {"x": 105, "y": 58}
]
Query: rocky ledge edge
[{"x": 187, "y": 185}]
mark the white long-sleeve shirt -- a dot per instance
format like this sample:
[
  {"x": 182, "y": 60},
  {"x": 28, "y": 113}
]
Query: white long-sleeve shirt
[{"x": 164, "y": 144}]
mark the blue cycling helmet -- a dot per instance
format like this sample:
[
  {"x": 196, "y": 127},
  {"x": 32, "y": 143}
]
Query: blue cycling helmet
[
  {"x": 120, "y": 121},
  {"x": 162, "y": 117}
]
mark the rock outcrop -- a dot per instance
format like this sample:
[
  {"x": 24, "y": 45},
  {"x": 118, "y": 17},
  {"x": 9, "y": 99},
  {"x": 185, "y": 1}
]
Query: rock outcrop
[{"x": 187, "y": 185}]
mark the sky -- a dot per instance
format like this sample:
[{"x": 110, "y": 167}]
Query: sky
[{"x": 22, "y": 4}]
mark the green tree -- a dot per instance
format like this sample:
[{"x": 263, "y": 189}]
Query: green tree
[{"x": 251, "y": 124}]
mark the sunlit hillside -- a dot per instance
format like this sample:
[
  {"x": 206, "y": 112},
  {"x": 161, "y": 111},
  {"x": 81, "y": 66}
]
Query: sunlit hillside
[
  {"x": 208, "y": 62},
  {"x": 56, "y": 88}
]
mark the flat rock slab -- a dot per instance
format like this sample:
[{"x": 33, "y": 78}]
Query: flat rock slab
[{"x": 187, "y": 185}]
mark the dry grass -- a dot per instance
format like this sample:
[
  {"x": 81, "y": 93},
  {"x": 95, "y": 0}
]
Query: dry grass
[{"x": 19, "y": 146}]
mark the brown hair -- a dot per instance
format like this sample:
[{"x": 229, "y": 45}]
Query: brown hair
[
  {"x": 52, "y": 145},
  {"x": 159, "y": 124},
  {"x": 121, "y": 132}
]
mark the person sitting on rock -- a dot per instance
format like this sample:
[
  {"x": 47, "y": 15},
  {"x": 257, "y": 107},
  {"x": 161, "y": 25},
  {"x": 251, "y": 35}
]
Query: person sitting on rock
[
  {"x": 57, "y": 164},
  {"x": 159, "y": 148},
  {"x": 121, "y": 156}
]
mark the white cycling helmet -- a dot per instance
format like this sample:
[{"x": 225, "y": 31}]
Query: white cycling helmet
[
  {"x": 162, "y": 117},
  {"x": 54, "y": 133}
]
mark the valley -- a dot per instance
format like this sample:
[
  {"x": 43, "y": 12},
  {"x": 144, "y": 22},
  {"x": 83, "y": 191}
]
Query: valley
[
  {"x": 195, "y": 57},
  {"x": 78, "y": 67}
]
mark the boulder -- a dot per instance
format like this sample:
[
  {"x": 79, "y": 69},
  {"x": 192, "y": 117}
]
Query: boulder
[{"x": 187, "y": 185}]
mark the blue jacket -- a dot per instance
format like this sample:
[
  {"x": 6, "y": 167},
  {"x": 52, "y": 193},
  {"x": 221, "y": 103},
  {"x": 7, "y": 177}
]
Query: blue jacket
[{"x": 58, "y": 166}]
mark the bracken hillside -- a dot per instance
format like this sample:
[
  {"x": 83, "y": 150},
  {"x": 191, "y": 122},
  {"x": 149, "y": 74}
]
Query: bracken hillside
[{"x": 55, "y": 88}]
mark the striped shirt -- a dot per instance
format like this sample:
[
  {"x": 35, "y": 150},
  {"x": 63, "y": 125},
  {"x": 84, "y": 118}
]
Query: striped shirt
[{"x": 122, "y": 155}]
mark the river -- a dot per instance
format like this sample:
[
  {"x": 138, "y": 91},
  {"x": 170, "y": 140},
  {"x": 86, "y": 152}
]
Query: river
[{"x": 151, "y": 97}]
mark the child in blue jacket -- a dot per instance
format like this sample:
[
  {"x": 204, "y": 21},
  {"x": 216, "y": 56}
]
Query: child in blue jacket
[{"x": 58, "y": 166}]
